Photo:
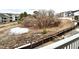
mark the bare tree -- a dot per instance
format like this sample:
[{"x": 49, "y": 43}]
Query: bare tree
[
  {"x": 45, "y": 18},
  {"x": 42, "y": 19}
]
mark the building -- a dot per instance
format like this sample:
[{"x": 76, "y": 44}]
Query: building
[
  {"x": 3, "y": 18},
  {"x": 65, "y": 14},
  {"x": 13, "y": 17},
  {"x": 8, "y": 17},
  {"x": 74, "y": 15}
]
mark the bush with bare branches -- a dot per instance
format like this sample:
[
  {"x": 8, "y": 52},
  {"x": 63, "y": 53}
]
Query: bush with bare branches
[{"x": 41, "y": 19}]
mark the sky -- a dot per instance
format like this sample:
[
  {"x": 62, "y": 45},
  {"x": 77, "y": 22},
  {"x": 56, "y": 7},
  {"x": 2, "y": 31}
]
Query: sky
[
  {"x": 17, "y": 6},
  {"x": 17, "y": 11}
]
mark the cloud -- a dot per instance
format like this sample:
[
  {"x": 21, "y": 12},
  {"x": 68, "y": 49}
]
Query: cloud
[
  {"x": 57, "y": 5},
  {"x": 30, "y": 11}
]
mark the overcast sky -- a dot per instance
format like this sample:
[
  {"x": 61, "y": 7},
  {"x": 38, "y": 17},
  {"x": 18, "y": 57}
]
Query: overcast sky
[{"x": 22, "y": 5}]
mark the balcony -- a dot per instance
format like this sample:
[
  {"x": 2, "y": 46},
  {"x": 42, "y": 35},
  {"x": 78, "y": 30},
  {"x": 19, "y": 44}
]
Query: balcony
[{"x": 71, "y": 42}]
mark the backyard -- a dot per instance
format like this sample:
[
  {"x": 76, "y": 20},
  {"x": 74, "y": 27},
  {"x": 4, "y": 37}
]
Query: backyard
[
  {"x": 41, "y": 24},
  {"x": 14, "y": 41}
]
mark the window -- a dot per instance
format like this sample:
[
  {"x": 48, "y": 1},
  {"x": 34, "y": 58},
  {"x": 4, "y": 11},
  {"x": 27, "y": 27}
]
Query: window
[
  {"x": 5, "y": 18},
  {"x": 76, "y": 17}
]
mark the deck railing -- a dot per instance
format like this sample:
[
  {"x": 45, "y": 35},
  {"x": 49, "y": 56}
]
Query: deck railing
[{"x": 67, "y": 43}]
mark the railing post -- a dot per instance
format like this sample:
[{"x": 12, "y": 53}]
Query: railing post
[
  {"x": 70, "y": 46},
  {"x": 75, "y": 44},
  {"x": 78, "y": 43}
]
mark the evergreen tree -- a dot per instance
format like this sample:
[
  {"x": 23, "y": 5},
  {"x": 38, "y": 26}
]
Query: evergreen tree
[{"x": 25, "y": 14}]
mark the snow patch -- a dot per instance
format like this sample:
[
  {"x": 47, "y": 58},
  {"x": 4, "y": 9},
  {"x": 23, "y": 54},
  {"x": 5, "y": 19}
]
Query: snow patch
[
  {"x": 18, "y": 30},
  {"x": 75, "y": 23}
]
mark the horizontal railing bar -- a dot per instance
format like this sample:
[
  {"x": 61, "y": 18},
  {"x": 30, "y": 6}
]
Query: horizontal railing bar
[{"x": 63, "y": 42}]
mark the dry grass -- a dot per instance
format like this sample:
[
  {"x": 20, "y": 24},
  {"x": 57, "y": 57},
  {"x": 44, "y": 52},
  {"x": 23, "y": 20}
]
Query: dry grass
[{"x": 16, "y": 41}]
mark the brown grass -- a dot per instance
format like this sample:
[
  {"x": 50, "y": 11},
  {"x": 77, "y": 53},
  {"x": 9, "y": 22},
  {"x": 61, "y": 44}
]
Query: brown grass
[{"x": 16, "y": 41}]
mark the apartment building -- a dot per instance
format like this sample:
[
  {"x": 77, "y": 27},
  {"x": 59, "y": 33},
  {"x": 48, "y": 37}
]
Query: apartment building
[{"x": 7, "y": 17}]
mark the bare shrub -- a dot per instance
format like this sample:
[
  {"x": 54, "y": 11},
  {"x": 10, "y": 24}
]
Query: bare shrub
[
  {"x": 41, "y": 19},
  {"x": 46, "y": 19},
  {"x": 44, "y": 31},
  {"x": 29, "y": 21}
]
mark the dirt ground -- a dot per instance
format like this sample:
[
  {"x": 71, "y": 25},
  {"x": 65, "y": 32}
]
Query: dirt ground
[{"x": 5, "y": 42}]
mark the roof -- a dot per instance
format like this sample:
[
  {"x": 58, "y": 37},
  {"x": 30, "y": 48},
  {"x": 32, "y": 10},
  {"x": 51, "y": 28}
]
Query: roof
[
  {"x": 7, "y": 14},
  {"x": 76, "y": 13},
  {"x": 2, "y": 15}
]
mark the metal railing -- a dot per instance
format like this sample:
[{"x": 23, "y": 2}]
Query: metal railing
[{"x": 67, "y": 43}]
